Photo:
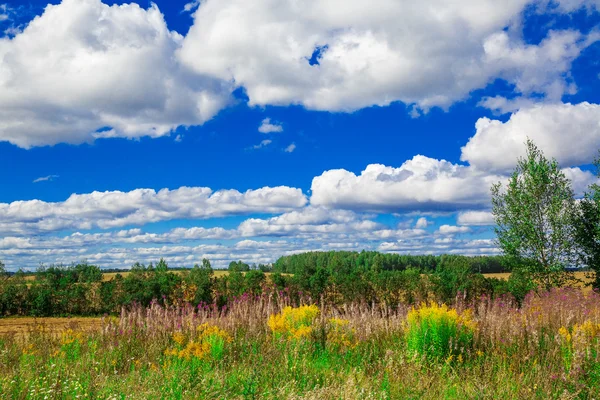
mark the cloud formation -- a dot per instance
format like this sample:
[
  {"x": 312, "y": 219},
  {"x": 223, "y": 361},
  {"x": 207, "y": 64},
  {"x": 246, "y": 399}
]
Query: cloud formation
[
  {"x": 85, "y": 70},
  {"x": 475, "y": 218},
  {"x": 118, "y": 71},
  {"x": 106, "y": 210},
  {"x": 452, "y": 230},
  {"x": 45, "y": 178},
  {"x": 263, "y": 143},
  {"x": 568, "y": 132},
  {"x": 267, "y": 126},
  {"x": 422, "y": 183},
  {"x": 329, "y": 55}
]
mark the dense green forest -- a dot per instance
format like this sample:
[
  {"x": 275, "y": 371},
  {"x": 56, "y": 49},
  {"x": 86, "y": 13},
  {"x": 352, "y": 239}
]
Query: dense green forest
[{"x": 375, "y": 261}]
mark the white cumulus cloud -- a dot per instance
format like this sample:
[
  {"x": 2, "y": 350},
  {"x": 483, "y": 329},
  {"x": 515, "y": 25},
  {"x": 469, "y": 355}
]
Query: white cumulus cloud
[
  {"x": 429, "y": 53},
  {"x": 141, "y": 206},
  {"x": 422, "y": 183},
  {"x": 451, "y": 229},
  {"x": 85, "y": 70},
  {"x": 475, "y": 218},
  {"x": 267, "y": 126},
  {"x": 422, "y": 223},
  {"x": 570, "y": 133}
]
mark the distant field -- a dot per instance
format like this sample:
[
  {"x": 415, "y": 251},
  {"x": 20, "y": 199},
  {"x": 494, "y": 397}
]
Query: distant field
[
  {"x": 504, "y": 275},
  {"x": 585, "y": 278},
  {"x": 52, "y": 325},
  {"x": 107, "y": 276}
]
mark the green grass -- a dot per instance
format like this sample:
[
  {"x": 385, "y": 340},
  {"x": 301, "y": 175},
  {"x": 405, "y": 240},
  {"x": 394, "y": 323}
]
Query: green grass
[{"x": 132, "y": 358}]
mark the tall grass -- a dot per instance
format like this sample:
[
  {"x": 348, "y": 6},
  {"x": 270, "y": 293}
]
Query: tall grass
[{"x": 547, "y": 348}]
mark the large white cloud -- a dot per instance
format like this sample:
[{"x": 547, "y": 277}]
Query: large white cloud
[
  {"x": 84, "y": 67},
  {"x": 422, "y": 183},
  {"x": 431, "y": 52},
  {"x": 141, "y": 206},
  {"x": 570, "y": 133},
  {"x": 84, "y": 70}
]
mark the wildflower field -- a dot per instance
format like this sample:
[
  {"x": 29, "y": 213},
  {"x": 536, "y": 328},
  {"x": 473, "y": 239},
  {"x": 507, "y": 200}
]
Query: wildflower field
[{"x": 269, "y": 347}]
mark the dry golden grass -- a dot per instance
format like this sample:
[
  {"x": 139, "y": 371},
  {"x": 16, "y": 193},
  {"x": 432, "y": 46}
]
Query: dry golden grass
[
  {"x": 20, "y": 325},
  {"x": 584, "y": 277},
  {"x": 107, "y": 276}
]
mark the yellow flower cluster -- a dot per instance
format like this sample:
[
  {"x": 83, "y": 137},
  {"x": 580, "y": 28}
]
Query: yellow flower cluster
[
  {"x": 199, "y": 350},
  {"x": 179, "y": 338},
  {"x": 294, "y": 322},
  {"x": 199, "y": 346},
  {"x": 585, "y": 331},
  {"x": 210, "y": 331},
  {"x": 70, "y": 336},
  {"x": 436, "y": 313},
  {"x": 340, "y": 334},
  {"x": 29, "y": 350},
  {"x": 564, "y": 332},
  {"x": 588, "y": 329}
]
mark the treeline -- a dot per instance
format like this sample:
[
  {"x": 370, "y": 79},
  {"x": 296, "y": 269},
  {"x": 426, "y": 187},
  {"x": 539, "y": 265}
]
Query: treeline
[
  {"x": 343, "y": 276},
  {"x": 80, "y": 290},
  {"x": 335, "y": 277},
  {"x": 374, "y": 261}
]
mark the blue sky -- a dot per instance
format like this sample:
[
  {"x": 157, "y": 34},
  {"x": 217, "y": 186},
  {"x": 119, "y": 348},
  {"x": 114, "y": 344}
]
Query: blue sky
[{"x": 230, "y": 129}]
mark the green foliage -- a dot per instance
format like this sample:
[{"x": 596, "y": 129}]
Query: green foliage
[
  {"x": 519, "y": 284},
  {"x": 587, "y": 229},
  {"x": 254, "y": 281},
  {"x": 238, "y": 266},
  {"x": 450, "y": 277},
  {"x": 533, "y": 216},
  {"x": 201, "y": 277},
  {"x": 236, "y": 284},
  {"x": 145, "y": 284},
  {"x": 13, "y": 295},
  {"x": 438, "y": 332},
  {"x": 338, "y": 277}
]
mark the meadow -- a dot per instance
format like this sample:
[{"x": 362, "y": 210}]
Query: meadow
[{"x": 271, "y": 346}]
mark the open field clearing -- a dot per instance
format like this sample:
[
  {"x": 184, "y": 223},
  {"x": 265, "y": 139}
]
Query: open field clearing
[
  {"x": 263, "y": 349},
  {"x": 53, "y": 325},
  {"x": 584, "y": 276},
  {"x": 107, "y": 276},
  {"x": 585, "y": 279}
]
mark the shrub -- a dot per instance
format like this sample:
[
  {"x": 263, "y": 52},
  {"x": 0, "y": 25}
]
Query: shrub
[
  {"x": 438, "y": 332},
  {"x": 294, "y": 322}
]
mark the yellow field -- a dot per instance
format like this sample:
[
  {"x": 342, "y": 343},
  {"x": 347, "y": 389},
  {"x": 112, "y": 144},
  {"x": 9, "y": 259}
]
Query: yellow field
[
  {"x": 107, "y": 276},
  {"x": 584, "y": 277},
  {"x": 504, "y": 275}
]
